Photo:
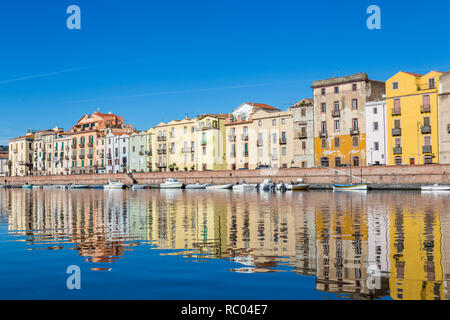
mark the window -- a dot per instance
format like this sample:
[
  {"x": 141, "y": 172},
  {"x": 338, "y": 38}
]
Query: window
[
  {"x": 303, "y": 111},
  {"x": 355, "y": 141},
  {"x": 185, "y": 130},
  {"x": 375, "y": 110},
  {"x": 274, "y": 137},
  {"x": 303, "y": 145},
  {"x": 324, "y": 162},
  {"x": 354, "y": 104},
  {"x": 260, "y": 152},
  {"x": 426, "y": 107},
  {"x": 355, "y": 124},
  {"x": 323, "y": 107},
  {"x": 323, "y": 91},
  {"x": 336, "y": 125},
  {"x": 260, "y": 123},
  {"x": 336, "y": 106},
  {"x": 398, "y": 161},
  {"x": 427, "y": 141},
  {"x": 397, "y": 124},
  {"x": 337, "y": 142},
  {"x": 337, "y": 162},
  {"x": 324, "y": 143},
  {"x": 397, "y": 107},
  {"x": 204, "y": 151},
  {"x": 274, "y": 122},
  {"x": 428, "y": 160},
  {"x": 283, "y": 121},
  {"x": 398, "y": 142},
  {"x": 283, "y": 151},
  {"x": 324, "y": 126},
  {"x": 431, "y": 83},
  {"x": 356, "y": 161},
  {"x": 426, "y": 121},
  {"x": 394, "y": 85},
  {"x": 354, "y": 87},
  {"x": 336, "y": 89},
  {"x": 375, "y": 126},
  {"x": 376, "y": 146}
]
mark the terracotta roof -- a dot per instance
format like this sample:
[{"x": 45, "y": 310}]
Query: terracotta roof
[
  {"x": 414, "y": 74},
  {"x": 262, "y": 106},
  {"x": 4, "y": 155}
]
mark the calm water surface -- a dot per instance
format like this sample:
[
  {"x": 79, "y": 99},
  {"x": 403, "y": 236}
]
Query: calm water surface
[{"x": 175, "y": 244}]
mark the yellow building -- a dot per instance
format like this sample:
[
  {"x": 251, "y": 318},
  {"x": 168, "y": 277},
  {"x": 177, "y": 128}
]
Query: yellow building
[
  {"x": 339, "y": 118},
  {"x": 412, "y": 118},
  {"x": 211, "y": 142}
]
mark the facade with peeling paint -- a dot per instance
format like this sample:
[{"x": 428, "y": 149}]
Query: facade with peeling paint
[{"x": 339, "y": 119}]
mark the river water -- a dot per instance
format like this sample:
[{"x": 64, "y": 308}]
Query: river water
[{"x": 198, "y": 244}]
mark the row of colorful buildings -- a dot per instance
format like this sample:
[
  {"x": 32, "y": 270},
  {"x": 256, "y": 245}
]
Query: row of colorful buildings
[{"x": 351, "y": 120}]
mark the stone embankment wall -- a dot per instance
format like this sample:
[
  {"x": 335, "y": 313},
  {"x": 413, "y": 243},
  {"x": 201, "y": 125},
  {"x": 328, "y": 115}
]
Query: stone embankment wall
[{"x": 380, "y": 175}]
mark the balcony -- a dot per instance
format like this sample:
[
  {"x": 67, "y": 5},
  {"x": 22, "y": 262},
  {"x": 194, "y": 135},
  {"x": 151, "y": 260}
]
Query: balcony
[
  {"x": 425, "y": 129},
  {"x": 336, "y": 113},
  {"x": 162, "y": 138},
  {"x": 245, "y": 153},
  {"x": 426, "y": 149},
  {"x": 396, "y": 132},
  {"x": 323, "y": 134},
  {"x": 74, "y": 146},
  {"x": 66, "y": 157},
  {"x": 244, "y": 137},
  {"x": 74, "y": 157},
  {"x": 302, "y": 135},
  {"x": 162, "y": 151},
  {"x": 90, "y": 144},
  {"x": 259, "y": 143},
  {"x": 354, "y": 131},
  {"x": 161, "y": 164},
  {"x": 397, "y": 150},
  {"x": 109, "y": 156},
  {"x": 81, "y": 145},
  {"x": 81, "y": 156},
  {"x": 66, "y": 169},
  {"x": 187, "y": 150},
  {"x": 232, "y": 138},
  {"x": 141, "y": 153},
  {"x": 396, "y": 112},
  {"x": 90, "y": 156},
  {"x": 283, "y": 141},
  {"x": 203, "y": 142},
  {"x": 425, "y": 108}
]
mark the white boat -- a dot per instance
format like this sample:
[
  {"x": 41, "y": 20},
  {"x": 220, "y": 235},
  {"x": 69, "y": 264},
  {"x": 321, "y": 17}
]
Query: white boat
[
  {"x": 78, "y": 186},
  {"x": 435, "y": 187},
  {"x": 350, "y": 187},
  {"x": 244, "y": 187},
  {"x": 114, "y": 185},
  {"x": 196, "y": 186},
  {"x": 138, "y": 186},
  {"x": 36, "y": 187},
  {"x": 171, "y": 183},
  {"x": 53, "y": 186},
  {"x": 299, "y": 186},
  {"x": 219, "y": 186},
  {"x": 267, "y": 185}
]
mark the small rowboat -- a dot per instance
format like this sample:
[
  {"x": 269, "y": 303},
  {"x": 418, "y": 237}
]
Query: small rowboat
[
  {"x": 219, "y": 186},
  {"x": 435, "y": 187},
  {"x": 138, "y": 186},
  {"x": 350, "y": 187},
  {"x": 300, "y": 187},
  {"x": 196, "y": 186}
]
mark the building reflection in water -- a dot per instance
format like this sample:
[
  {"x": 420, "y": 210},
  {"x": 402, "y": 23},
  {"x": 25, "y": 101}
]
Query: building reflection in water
[{"x": 339, "y": 238}]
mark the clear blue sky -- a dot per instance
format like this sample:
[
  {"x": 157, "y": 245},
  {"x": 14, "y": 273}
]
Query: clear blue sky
[{"x": 153, "y": 61}]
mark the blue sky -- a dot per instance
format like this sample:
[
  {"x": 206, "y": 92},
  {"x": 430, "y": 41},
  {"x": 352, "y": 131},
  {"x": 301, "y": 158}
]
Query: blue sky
[{"x": 153, "y": 61}]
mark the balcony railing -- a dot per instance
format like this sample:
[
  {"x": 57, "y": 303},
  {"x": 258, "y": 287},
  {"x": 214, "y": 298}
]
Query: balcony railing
[
  {"x": 354, "y": 131},
  {"x": 396, "y": 132},
  {"x": 397, "y": 150},
  {"x": 396, "y": 112},
  {"x": 141, "y": 153},
  {"x": 244, "y": 137},
  {"x": 90, "y": 156},
  {"x": 245, "y": 153},
  {"x": 109, "y": 156},
  {"x": 81, "y": 156},
  {"x": 302, "y": 135},
  {"x": 162, "y": 138},
  {"x": 187, "y": 150},
  {"x": 66, "y": 157},
  {"x": 425, "y": 108},
  {"x": 232, "y": 138},
  {"x": 74, "y": 157},
  {"x": 81, "y": 145},
  {"x": 426, "y": 149},
  {"x": 74, "y": 146},
  {"x": 283, "y": 141},
  {"x": 90, "y": 144},
  {"x": 259, "y": 143},
  {"x": 203, "y": 142},
  {"x": 323, "y": 134},
  {"x": 162, "y": 151},
  {"x": 335, "y": 113},
  {"x": 425, "y": 129}
]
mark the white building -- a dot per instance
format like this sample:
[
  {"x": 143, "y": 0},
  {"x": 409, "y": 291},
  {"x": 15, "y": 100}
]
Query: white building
[
  {"x": 61, "y": 160},
  {"x": 116, "y": 148},
  {"x": 376, "y": 144}
]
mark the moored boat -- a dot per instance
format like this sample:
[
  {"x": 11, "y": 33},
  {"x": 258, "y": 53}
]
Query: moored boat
[
  {"x": 300, "y": 186},
  {"x": 267, "y": 185},
  {"x": 78, "y": 186},
  {"x": 196, "y": 186},
  {"x": 138, "y": 186},
  {"x": 27, "y": 186},
  {"x": 350, "y": 187},
  {"x": 436, "y": 187},
  {"x": 36, "y": 187},
  {"x": 114, "y": 185},
  {"x": 171, "y": 183},
  {"x": 245, "y": 187},
  {"x": 219, "y": 186}
]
